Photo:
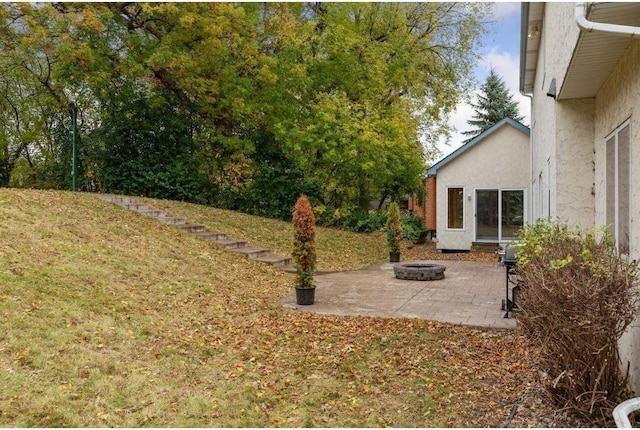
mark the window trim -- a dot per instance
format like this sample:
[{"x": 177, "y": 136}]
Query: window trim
[
  {"x": 500, "y": 191},
  {"x": 616, "y": 191},
  {"x": 463, "y": 209}
]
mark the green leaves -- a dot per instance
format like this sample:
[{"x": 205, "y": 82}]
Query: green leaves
[
  {"x": 346, "y": 92},
  {"x": 393, "y": 228}
]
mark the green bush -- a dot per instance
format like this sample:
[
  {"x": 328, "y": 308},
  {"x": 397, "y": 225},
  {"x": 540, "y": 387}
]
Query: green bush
[
  {"x": 577, "y": 298},
  {"x": 412, "y": 225},
  {"x": 393, "y": 229}
]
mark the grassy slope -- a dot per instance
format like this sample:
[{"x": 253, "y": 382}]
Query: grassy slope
[
  {"x": 336, "y": 249},
  {"x": 114, "y": 319}
]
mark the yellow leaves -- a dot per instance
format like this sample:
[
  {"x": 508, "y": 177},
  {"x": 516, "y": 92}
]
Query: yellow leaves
[
  {"x": 22, "y": 357},
  {"x": 103, "y": 416},
  {"x": 89, "y": 20},
  {"x": 187, "y": 19}
]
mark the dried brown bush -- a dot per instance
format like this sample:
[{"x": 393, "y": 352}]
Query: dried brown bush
[{"x": 577, "y": 299}]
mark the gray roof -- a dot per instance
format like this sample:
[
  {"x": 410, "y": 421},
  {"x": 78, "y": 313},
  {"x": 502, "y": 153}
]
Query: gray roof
[{"x": 476, "y": 140}]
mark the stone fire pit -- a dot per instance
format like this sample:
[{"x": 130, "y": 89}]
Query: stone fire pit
[{"x": 419, "y": 271}]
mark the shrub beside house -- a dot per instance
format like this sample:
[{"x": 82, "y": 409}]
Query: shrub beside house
[{"x": 581, "y": 66}]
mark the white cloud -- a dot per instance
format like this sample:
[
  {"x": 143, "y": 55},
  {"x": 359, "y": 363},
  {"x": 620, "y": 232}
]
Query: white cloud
[{"x": 502, "y": 10}]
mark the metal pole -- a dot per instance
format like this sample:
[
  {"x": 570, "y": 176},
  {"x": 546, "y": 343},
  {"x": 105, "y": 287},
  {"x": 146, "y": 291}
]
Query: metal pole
[{"x": 74, "y": 162}]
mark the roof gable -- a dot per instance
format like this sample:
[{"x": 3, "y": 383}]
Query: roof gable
[{"x": 476, "y": 140}]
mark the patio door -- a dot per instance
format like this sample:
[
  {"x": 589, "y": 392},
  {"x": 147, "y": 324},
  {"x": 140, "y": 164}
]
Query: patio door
[{"x": 499, "y": 214}]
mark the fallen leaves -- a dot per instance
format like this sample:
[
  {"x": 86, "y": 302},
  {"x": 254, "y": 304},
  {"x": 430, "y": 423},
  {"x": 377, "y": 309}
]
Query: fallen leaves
[
  {"x": 428, "y": 252},
  {"x": 168, "y": 330}
]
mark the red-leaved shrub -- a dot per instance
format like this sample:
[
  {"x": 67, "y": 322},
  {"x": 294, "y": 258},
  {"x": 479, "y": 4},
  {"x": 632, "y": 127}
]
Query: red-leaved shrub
[{"x": 304, "y": 247}]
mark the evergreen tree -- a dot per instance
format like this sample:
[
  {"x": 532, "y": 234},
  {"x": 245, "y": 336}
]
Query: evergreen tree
[{"x": 493, "y": 104}]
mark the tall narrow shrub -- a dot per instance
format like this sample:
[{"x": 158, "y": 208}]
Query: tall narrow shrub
[
  {"x": 304, "y": 246},
  {"x": 393, "y": 228}
]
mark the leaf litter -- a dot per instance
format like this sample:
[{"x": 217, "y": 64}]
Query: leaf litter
[{"x": 169, "y": 330}]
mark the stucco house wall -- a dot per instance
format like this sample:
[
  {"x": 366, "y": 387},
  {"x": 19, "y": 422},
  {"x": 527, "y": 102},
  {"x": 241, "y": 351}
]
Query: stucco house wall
[
  {"x": 618, "y": 101},
  {"x": 568, "y": 150},
  {"x": 499, "y": 161},
  {"x": 575, "y": 200},
  {"x": 562, "y": 134}
]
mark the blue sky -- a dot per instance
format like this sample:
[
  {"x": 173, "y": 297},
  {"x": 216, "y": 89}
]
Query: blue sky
[{"x": 500, "y": 50}]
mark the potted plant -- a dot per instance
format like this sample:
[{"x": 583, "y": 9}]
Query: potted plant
[
  {"x": 394, "y": 232},
  {"x": 304, "y": 250}
]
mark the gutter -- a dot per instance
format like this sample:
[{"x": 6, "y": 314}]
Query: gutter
[
  {"x": 589, "y": 26},
  {"x": 524, "y": 11}
]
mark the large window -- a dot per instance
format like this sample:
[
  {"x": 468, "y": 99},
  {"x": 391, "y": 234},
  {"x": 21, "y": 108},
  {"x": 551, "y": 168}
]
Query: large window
[
  {"x": 617, "y": 186},
  {"x": 455, "y": 208}
]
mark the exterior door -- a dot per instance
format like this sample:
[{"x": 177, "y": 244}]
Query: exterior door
[
  {"x": 487, "y": 228},
  {"x": 499, "y": 214}
]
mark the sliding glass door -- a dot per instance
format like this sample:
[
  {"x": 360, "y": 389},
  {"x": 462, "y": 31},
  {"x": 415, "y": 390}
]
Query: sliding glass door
[
  {"x": 512, "y": 213},
  {"x": 487, "y": 216},
  {"x": 499, "y": 214}
]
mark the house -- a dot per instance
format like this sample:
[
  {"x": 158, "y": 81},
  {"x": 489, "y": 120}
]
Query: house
[
  {"x": 580, "y": 64},
  {"x": 481, "y": 189}
]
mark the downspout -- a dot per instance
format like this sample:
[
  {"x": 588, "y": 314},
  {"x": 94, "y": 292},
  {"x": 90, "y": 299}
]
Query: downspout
[{"x": 586, "y": 25}]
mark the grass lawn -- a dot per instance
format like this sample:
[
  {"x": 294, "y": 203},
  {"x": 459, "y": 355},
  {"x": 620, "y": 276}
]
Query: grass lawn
[{"x": 111, "y": 318}]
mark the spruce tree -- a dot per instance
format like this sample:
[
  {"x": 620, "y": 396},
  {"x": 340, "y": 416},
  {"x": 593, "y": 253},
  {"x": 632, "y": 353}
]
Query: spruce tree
[{"x": 493, "y": 104}]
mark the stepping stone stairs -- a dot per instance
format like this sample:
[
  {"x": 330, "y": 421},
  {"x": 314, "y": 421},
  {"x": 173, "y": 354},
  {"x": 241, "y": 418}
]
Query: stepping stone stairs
[{"x": 240, "y": 246}]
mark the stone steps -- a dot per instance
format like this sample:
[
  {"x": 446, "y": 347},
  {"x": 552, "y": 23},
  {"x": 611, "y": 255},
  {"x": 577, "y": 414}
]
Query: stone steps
[
  {"x": 172, "y": 220},
  {"x": 263, "y": 255},
  {"x": 211, "y": 235},
  {"x": 192, "y": 228},
  {"x": 231, "y": 243},
  {"x": 152, "y": 213},
  {"x": 282, "y": 263},
  {"x": 252, "y": 253}
]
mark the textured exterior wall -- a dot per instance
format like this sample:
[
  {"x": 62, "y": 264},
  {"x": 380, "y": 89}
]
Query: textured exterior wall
[
  {"x": 568, "y": 139},
  {"x": 617, "y": 101},
  {"x": 557, "y": 155},
  {"x": 501, "y": 160},
  {"x": 575, "y": 162}
]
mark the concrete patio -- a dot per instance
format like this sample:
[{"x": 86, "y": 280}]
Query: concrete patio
[{"x": 470, "y": 294}]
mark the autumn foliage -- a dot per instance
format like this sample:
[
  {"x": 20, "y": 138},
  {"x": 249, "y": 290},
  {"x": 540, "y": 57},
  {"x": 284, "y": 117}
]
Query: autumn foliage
[
  {"x": 304, "y": 246},
  {"x": 578, "y": 298}
]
